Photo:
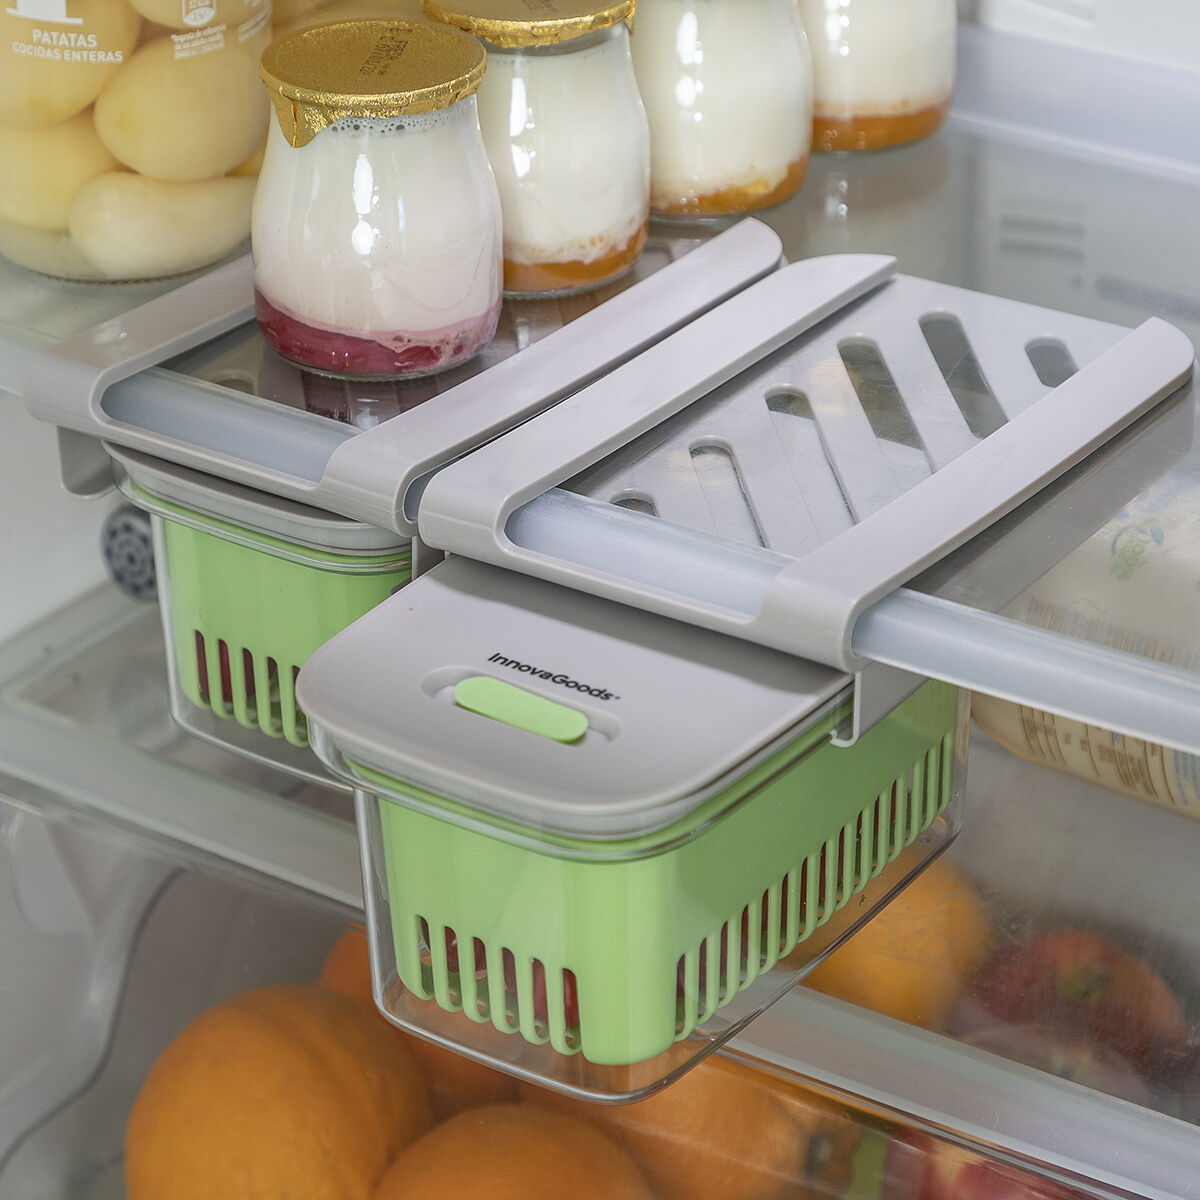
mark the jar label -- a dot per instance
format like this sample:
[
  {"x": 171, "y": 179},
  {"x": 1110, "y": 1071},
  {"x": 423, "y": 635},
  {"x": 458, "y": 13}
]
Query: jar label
[
  {"x": 50, "y": 35},
  {"x": 213, "y": 37}
]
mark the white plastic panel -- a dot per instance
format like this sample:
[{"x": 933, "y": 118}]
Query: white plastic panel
[
  {"x": 1165, "y": 32},
  {"x": 51, "y": 540}
]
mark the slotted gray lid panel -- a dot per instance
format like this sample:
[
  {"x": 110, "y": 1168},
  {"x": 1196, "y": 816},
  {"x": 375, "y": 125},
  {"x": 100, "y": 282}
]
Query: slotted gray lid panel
[
  {"x": 814, "y": 440},
  {"x": 781, "y": 501}
]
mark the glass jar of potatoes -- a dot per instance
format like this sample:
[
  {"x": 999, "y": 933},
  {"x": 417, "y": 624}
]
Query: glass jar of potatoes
[{"x": 130, "y": 133}]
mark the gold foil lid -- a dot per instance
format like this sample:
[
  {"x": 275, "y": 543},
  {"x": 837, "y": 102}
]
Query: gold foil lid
[
  {"x": 368, "y": 68},
  {"x": 511, "y": 23}
]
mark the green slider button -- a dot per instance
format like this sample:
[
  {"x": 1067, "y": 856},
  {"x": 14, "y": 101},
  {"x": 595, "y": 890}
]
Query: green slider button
[{"x": 524, "y": 710}]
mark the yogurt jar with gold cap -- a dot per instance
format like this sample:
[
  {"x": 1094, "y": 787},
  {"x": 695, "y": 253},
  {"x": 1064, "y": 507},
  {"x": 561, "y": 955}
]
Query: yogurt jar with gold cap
[
  {"x": 884, "y": 71},
  {"x": 376, "y": 229},
  {"x": 567, "y": 136},
  {"x": 728, "y": 88}
]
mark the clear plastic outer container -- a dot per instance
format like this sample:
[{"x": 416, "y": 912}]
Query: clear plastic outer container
[
  {"x": 728, "y": 90},
  {"x": 596, "y": 842},
  {"x": 566, "y": 132},
  {"x": 249, "y": 585},
  {"x": 883, "y": 72},
  {"x": 130, "y": 133},
  {"x": 376, "y": 228}
]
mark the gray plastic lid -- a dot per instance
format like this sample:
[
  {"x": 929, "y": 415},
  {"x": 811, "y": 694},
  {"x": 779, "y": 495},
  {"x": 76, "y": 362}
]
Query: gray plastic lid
[
  {"x": 673, "y": 713},
  {"x": 260, "y": 512}
]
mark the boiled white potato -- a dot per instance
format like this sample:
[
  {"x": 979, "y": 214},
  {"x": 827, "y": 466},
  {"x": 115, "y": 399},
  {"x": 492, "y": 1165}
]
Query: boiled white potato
[
  {"x": 51, "y": 70},
  {"x": 196, "y": 14},
  {"x": 253, "y": 164},
  {"x": 44, "y": 168},
  {"x": 152, "y": 32},
  {"x": 50, "y": 253},
  {"x": 185, "y": 119},
  {"x": 132, "y": 227}
]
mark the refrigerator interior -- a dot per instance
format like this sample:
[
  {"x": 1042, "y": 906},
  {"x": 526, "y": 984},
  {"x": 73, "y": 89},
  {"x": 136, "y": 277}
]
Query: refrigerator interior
[{"x": 149, "y": 874}]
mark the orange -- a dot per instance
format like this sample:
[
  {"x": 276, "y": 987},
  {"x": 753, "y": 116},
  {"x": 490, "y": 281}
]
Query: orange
[
  {"x": 726, "y": 1131},
  {"x": 284, "y": 1091},
  {"x": 513, "y": 1152},
  {"x": 912, "y": 959},
  {"x": 455, "y": 1082},
  {"x": 347, "y": 967}
]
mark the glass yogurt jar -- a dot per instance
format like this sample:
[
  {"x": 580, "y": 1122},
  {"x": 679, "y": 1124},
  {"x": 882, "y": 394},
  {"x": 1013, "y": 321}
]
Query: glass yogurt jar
[
  {"x": 376, "y": 227},
  {"x": 567, "y": 136},
  {"x": 728, "y": 90},
  {"x": 883, "y": 71}
]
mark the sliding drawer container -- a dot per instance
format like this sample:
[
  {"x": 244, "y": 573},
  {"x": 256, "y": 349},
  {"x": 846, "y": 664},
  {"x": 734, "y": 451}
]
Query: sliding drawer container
[
  {"x": 596, "y": 841},
  {"x": 250, "y": 585}
]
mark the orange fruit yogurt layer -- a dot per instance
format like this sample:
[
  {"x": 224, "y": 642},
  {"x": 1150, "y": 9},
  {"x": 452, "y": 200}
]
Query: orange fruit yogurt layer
[
  {"x": 737, "y": 198},
  {"x": 873, "y": 131},
  {"x": 569, "y": 275}
]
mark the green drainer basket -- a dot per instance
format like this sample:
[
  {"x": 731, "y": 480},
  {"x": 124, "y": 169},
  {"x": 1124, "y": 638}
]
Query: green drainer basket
[
  {"x": 618, "y": 950},
  {"x": 246, "y": 610}
]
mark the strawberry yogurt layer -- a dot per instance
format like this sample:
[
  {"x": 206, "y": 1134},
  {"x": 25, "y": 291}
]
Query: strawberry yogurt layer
[
  {"x": 883, "y": 72},
  {"x": 376, "y": 354}
]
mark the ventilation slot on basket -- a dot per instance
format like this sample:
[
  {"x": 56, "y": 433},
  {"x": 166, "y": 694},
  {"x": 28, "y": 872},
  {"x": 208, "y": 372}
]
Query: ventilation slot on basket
[
  {"x": 515, "y": 995},
  {"x": 241, "y": 686},
  {"x": 772, "y": 925}
]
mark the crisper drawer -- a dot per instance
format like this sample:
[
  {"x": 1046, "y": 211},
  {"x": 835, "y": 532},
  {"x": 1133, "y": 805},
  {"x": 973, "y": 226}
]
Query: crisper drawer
[{"x": 173, "y": 1032}]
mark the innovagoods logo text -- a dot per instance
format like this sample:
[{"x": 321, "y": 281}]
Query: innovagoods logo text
[{"x": 552, "y": 677}]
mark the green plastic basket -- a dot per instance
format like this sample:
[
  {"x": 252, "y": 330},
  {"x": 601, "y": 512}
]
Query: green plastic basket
[
  {"x": 244, "y": 610},
  {"x": 617, "y": 950}
]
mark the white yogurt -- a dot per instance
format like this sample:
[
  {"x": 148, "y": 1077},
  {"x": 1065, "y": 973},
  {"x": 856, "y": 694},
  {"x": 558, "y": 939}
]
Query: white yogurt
[
  {"x": 727, "y": 86},
  {"x": 881, "y": 59},
  {"x": 566, "y": 133}
]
